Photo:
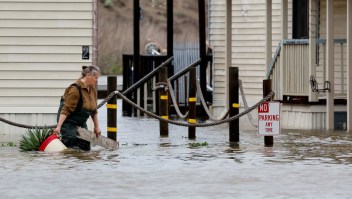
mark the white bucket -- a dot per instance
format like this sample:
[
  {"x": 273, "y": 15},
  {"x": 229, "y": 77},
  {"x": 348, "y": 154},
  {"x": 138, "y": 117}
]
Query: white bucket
[{"x": 52, "y": 144}]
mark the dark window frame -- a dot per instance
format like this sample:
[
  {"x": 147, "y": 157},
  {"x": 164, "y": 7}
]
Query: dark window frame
[{"x": 300, "y": 19}]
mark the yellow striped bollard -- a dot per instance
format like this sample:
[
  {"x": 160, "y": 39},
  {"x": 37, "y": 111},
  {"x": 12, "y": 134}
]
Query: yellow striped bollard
[
  {"x": 192, "y": 102},
  {"x": 163, "y": 103},
  {"x": 112, "y": 109},
  {"x": 234, "y": 131}
]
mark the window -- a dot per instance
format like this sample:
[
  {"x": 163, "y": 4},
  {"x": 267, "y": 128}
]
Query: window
[{"x": 300, "y": 14}]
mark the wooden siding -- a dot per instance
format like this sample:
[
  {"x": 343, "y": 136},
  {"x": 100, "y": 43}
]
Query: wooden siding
[
  {"x": 40, "y": 53},
  {"x": 248, "y": 45}
]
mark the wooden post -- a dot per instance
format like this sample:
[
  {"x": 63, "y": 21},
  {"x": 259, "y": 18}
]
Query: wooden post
[
  {"x": 268, "y": 140},
  {"x": 192, "y": 102},
  {"x": 234, "y": 132},
  {"x": 163, "y": 103},
  {"x": 112, "y": 106}
]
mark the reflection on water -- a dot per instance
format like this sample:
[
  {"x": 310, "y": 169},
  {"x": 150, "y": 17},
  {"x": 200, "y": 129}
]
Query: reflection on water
[{"x": 302, "y": 164}]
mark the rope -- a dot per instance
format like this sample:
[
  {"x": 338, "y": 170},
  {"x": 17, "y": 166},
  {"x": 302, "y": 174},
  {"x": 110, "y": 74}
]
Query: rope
[
  {"x": 205, "y": 106},
  {"x": 24, "y": 125},
  {"x": 249, "y": 115},
  {"x": 173, "y": 99},
  {"x": 48, "y": 126},
  {"x": 197, "y": 124},
  {"x": 112, "y": 94}
]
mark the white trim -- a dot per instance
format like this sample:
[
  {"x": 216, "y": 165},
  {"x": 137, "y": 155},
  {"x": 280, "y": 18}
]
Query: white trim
[{"x": 330, "y": 64}]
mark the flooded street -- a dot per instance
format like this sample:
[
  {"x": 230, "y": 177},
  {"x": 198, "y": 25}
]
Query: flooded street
[{"x": 301, "y": 164}]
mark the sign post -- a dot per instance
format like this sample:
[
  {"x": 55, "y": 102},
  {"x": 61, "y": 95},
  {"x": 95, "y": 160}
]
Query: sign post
[{"x": 269, "y": 119}]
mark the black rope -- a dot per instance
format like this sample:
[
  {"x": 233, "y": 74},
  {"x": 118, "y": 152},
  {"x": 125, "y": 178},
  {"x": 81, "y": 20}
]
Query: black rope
[{"x": 112, "y": 94}]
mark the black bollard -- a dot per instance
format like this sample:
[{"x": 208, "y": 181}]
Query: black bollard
[
  {"x": 268, "y": 140},
  {"x": 234, "y": 132},
  {"x": 163, "y": 103},
  {"x": 192, "y": 102},
  {"x": 112, "y": 106}
]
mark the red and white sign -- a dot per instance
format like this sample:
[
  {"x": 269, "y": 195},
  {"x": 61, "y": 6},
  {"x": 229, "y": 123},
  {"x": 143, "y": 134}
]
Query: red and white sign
[{"x": 269, "y": 118}]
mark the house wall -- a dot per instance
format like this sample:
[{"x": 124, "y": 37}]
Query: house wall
[
  {"x": 248, "y": 48},
  {"x": 40, "y": 54}
]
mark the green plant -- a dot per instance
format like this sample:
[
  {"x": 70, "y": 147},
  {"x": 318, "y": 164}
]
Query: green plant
[
  {"x": 197, "y": 144},
  {"x": 9, "y": 144},
  {"x": 34, "y": 138}
]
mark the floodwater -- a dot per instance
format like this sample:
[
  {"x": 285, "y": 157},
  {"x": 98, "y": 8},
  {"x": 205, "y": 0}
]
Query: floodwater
[{"x": 301, "y": 164}]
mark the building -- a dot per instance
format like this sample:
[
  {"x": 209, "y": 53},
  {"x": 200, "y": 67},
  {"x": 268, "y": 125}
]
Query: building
[
  {"x": 43, "y": 45},
  {"x": 291, "y": 42}
]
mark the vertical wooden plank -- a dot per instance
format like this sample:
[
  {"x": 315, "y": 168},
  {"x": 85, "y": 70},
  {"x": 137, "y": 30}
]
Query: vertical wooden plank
[{"x": 330, "y": 64}]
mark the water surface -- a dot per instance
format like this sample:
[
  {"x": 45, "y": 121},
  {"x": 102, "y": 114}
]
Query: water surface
[{"x": 301, "y": 164}]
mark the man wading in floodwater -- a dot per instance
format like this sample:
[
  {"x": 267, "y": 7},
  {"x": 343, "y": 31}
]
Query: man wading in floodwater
[{"x": 77, "y": 104}]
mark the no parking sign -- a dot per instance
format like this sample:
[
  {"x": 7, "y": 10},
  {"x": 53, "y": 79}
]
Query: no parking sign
[{"x": 269, "y": 118}]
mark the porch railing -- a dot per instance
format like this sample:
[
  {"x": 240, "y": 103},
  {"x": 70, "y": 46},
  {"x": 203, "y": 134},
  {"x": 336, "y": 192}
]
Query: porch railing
[{"x": 291, "y": 78}]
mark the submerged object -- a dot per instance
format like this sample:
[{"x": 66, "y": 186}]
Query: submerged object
[
  {"x": 41, "y": 139},
  {"x": 52, "y": 144},
  {"x": 102, "y": 141}
]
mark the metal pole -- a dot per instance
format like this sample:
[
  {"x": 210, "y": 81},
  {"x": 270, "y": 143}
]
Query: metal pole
[
  {"x": 268, "y": 140},
  {"x": 202, "y": 45},
  {"x": 170, "y": 34},
  {"x": 163, "y": 103},
  {"x": 136, "y": 47},
  {"x": 234, "y": 132},
  {"x": 112, "y": 106},
  {"x": 192, "y": 102}
]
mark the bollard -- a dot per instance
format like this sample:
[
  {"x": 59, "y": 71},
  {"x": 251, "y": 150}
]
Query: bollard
[
  {"x": 111, "y": 109},
  {"x": 163, "y": 103},
  {"x": 268, "y": 140},
  {"x": 234, "y": 132},
  {"x": 192, "y": 102}
]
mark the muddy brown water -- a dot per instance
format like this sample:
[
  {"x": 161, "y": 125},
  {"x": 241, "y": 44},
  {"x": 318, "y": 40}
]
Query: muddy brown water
[{"x": 301, "y": 164}]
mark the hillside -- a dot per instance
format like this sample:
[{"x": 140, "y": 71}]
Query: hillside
[{"x": 115, "y": 28}]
